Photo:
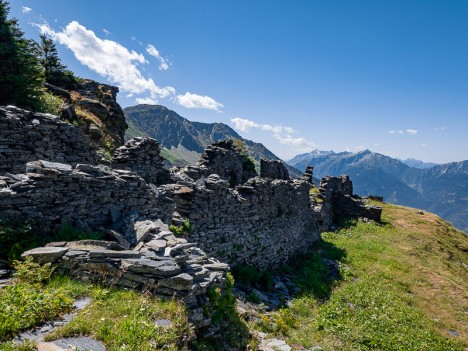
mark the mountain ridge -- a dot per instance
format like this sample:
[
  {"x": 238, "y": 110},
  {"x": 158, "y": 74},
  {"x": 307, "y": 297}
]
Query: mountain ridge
[
  {"x": 442, "y": 189},
  {"x": 185, "y": 140}
]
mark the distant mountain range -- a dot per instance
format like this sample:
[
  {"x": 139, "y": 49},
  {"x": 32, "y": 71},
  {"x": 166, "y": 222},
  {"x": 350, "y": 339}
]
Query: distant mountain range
[
  {"x": 183, "y": 140},
  {"x": 442, "y": 189}
]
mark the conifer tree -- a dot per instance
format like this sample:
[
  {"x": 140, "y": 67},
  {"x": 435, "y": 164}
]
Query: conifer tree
[
  {"x": 55, "y": 72},
  {"x": 21, "y": 75}
]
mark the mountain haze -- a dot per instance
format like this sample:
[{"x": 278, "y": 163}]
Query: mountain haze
[
  {"x": 442, "y": 189},
  {"x": 185, "y": 140}
]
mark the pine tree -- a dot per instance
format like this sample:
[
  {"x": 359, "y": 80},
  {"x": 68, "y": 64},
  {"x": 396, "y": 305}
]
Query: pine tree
[
  {"x": 55, "y": 72},
  {"x": 21, "y": 75}
]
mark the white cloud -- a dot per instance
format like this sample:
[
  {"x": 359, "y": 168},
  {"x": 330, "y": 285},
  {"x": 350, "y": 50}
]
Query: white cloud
[
  {"x": 282, "y": 134},
  {"x": 401, "y": 132},
  {"x": 245, "y": 125},
  {"x": 190, "y": 100},
  {"x": 26, "y": 9},
  {"x": 108, "y": 58},
  {"x": 163, "y": 63},
  {"x": 147, "y": 101},
  {"x": 106, "y": 32},
  {"x": 299, "y": 144}
]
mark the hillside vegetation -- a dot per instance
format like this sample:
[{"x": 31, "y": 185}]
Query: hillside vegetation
[{"x": 404, "y": 287}]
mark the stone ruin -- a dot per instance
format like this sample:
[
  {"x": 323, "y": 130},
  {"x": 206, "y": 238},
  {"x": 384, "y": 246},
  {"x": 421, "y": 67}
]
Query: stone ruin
[{"x": 236, "y": 216}]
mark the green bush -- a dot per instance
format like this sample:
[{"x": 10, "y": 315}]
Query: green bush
[
  {"x": 16, "y": 238},
  {"x": 50, "y": 103},
  {"x": 251, "y": 276},
  {"x": 181, "y": 230},
  {"x": 30, "y": 272},
  {"x": 69, "y": 233}
]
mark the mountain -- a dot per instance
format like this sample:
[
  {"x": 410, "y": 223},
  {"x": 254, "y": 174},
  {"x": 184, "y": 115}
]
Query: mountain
[
  {"x": 184, "y": 140},
  {"x": 442, "y": 189},
  {"x": 412, "y": 162}
]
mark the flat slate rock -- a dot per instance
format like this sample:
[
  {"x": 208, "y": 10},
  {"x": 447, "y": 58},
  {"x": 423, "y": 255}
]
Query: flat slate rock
[
  {"x": 46, "y": 254},
  {"x": 151, "y": 267},
  {"x": 69, "y": 344}
]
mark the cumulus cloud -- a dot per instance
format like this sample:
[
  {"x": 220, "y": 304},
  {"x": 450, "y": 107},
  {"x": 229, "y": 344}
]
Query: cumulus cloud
[
  {"x": 190, "y": 100},
  {"x": 163, "y": 63},
  {"x": 107, "y": 58},
  {"x": 401, "y": 131},
  {"x": 26, "y": 9},
  {"x": 281, "y": 133},
  {"x": 147, "y": 101},
  {"x": 122, "y": 66}
]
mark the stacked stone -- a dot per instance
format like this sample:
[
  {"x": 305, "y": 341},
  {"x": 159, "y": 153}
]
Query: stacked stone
[
  {"x": 225, "y": 160},
  {"x": 308, "y": 175},
  {"x": 273, "y": 169},
  {"x": 142, "y": 155},
  {"x": 86, "y": 196},
  {"x": 26, "y": 136},
  {"x": 162, "y": 264},
  {"x": 261, "y": 223},
  {"x": 340, "y": 203}
]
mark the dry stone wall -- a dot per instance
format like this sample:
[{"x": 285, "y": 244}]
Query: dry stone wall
[
  {"x": 142, "y": 155},
  {"x": 261, "y": 223},
  {"x": 224, "y": 159},
  {"x": 273, "y": 169},
  {"x": 26, "y": 136},
  {"x": 85, "y": 196}
]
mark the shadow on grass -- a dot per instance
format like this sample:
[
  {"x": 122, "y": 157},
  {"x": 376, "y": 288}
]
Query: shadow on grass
[{"x": 318, "y": 271}]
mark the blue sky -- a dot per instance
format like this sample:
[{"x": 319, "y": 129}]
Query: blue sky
[{"x": 389, "y": 76}]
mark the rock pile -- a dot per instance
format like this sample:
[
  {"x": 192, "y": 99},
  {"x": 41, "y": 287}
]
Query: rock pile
[{"x": 160, "y": 263}]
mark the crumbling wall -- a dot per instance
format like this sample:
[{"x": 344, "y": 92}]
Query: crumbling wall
[
  {"x": 85, "y": 196},
  {"x": 161, "y": 264},
  {"x": 26, "y": 136},
  {"x": 261, "y": 223},
  {"x": 142, "y": 155},
  {"x": 224, "y": 159},
  {"x": 335, "y": 202},
  {"x": 273, "y": 169}
]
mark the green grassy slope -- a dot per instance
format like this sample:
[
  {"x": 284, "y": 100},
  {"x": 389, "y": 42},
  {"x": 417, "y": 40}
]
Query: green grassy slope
[{"x": 404, "y": 287}]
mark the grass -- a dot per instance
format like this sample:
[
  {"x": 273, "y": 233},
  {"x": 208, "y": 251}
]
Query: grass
[
  {"x": 126, "y": 320},
  {"x": 403, "y": 288},
  {"x": 31, "y": 301},
  {"x": 121, "y": 319}
]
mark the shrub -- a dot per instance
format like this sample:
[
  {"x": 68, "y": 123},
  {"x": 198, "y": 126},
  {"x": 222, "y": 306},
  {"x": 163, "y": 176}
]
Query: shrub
[
  {"x": 181, "y": 230},
  {"x": 50, "y": 103},
  {"x": 16, "y": 237},
  {"x": 69, "y": 233},
  {"x": 31, "y": 272}
]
